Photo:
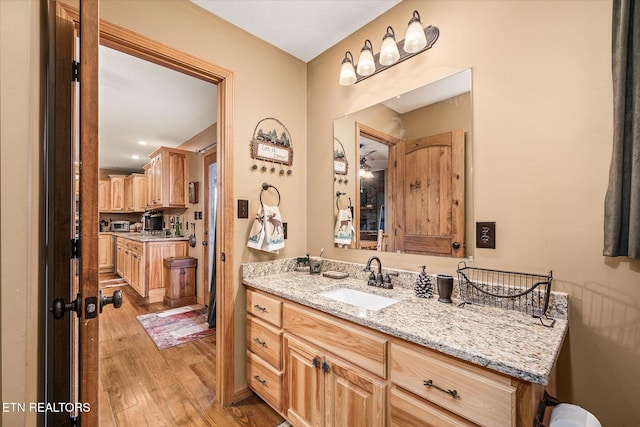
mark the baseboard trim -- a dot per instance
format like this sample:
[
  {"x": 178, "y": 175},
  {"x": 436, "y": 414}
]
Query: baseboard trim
[{"x": 242, "y": 394}]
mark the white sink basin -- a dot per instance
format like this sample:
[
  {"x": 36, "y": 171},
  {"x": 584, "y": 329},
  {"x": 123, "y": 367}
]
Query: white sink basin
[{"x": 359, "y": 299}]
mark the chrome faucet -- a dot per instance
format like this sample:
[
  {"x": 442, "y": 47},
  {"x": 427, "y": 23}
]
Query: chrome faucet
[{"x": 374, "y": 280}]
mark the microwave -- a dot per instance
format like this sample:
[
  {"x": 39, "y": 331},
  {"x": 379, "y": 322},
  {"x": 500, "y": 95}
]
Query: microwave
[{"x": 119, "y": 225}]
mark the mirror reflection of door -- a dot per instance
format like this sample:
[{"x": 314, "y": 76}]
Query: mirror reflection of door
[
  {"x": 430, "y": 202},
  {"x": 374, "y": 208}
]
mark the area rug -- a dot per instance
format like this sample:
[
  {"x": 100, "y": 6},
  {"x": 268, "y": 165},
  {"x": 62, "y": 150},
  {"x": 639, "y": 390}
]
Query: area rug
[{"x": 176, "y": 326}]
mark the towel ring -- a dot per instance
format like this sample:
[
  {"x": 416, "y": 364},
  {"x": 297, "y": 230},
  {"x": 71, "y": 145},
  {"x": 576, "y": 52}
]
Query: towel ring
[
  {"x": 265, "y": 187},
  {"x": 338, "y": 194}
]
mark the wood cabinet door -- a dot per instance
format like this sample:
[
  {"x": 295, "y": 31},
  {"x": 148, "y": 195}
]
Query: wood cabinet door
[
  {"x": 430, "y": 202},
  {"x": 104, "y": 195},
  {"x": 176, "y": 171},
  {"x": 119, "y": 258},
  {"x": 117, "y": 193},
  {"x": 139, "y": 194},
  {"x": 353, "y": 397},
  {"x": 304, "y": 386},
  {"x": 148, "y": 193},
  {"x": 156, "y": 188}
]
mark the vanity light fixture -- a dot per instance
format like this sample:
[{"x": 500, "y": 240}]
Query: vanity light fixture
[{"x": 417, "y": 40}]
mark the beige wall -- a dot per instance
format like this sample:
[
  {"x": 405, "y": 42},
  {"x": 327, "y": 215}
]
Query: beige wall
[
  {"x": 20, "y": 135},
  {"x": 542, "y": 145}
]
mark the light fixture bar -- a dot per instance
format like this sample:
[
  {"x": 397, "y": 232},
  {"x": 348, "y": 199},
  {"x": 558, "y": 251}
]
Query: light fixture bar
[{"x": 430, "y": 32}]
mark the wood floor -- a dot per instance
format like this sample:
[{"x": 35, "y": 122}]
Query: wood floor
[{"x": 143, "y": 386}]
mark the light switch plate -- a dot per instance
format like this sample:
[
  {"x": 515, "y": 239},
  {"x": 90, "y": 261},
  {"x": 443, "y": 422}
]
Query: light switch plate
[
  {"x": 243, "y": 208},
  {"x": 486, "y": 235}
]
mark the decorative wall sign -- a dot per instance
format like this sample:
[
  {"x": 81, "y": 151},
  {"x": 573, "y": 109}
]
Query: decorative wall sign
[
  {"x": 340, "y": 163},
  {"x": 270, "y": 145}
]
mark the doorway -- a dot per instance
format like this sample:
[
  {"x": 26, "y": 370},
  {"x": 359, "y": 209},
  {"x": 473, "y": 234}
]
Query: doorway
[{"x": 123, "y": 40}]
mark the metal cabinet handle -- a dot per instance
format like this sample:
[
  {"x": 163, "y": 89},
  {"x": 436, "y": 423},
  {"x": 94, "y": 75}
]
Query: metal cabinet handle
[
  {"x": 452, "y": 393},
  {"x": 326, "y": 367},
  {"x": 257, "y": 307},
  {"x": 260, "y": 342},
  {"x": 261, "y": 381},
  {"x": 315, "y": 362}
]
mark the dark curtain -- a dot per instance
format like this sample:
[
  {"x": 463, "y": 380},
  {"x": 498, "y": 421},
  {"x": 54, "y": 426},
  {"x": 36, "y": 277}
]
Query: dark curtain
[{"x": 622, "y": 202}]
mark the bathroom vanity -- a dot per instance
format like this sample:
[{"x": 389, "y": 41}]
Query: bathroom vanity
[{"x": 320, "y": 361}]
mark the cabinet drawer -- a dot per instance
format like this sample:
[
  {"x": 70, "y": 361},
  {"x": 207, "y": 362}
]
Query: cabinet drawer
[
  {"x": 482, "y": 397},
  {"x": 264, "y": 380},
  {"x": 264, "y": 307},
  {"x": 410, "y": 411},
  {"x": 265, "y": 341},
  {"x": 351, "y": 342},
  {"x": 136, "y": 246}
]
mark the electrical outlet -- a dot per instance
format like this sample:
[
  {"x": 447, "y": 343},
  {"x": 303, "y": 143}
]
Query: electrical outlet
[
  {"x": 486, "y": 235},
  {"x": 243, "y": 208}
]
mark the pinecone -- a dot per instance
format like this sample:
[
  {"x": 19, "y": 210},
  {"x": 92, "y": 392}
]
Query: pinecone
[{"x": 424, "y": 286}]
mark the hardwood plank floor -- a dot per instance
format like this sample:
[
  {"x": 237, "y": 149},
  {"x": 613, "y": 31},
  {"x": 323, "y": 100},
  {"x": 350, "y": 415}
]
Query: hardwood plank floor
[{"x": 143, "y": 386}]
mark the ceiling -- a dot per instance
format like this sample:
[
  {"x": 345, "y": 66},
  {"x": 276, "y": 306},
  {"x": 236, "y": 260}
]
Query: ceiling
[
  {"x": 303, "y": 28},
  {"x": 141, "y": 101}
]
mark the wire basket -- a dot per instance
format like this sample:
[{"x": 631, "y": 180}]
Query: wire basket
[{"x": 524, "y": 292}]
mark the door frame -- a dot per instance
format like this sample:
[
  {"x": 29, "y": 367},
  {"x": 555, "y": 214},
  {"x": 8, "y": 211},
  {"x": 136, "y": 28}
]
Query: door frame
[
  {"x": 132, "y": 43},
  {"x": 208, "y": 159}
]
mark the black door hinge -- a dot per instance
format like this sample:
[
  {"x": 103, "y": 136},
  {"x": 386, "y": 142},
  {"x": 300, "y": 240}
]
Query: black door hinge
[
  {"x": 75, "y": 71},
  {"x": 75, "y": 248},
  {"x": 223, "y": 256}
]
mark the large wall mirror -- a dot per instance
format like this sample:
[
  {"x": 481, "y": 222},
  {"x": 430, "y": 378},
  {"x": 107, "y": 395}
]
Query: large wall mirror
[{"x": 407, "y": 187}]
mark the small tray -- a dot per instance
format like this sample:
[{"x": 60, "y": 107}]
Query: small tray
[{"x": 335, "y": 274}]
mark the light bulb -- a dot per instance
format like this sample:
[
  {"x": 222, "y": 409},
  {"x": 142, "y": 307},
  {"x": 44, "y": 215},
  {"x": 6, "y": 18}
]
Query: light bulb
[
  {"x": 415, "y": 40},
  {"x": 366, "y": 65},
  {"x": 389, "y": 54},
  {"x": 347, "y": 73}
]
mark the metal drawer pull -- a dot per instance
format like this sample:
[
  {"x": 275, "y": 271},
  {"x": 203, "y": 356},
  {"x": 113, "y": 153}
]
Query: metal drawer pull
[
  {"x": 263, "y": 309},
  {"x": 452, "y": 393},
  {"x": 315, "y": 362},
  {"x": 262, "y": 343},
  {"x": 257, "y": 378}
]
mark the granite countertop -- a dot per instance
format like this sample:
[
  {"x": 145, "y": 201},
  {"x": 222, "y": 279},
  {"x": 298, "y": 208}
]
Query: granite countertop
[
  {"x": 506, "y": 341},
  {"x": 140, "y": 237}
]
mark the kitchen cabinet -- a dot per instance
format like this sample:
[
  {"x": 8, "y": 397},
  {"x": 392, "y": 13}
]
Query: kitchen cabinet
[
  {"x": 155, "y": 253},
  {"x": 140, "y": 264},
  {"x": 135, "y": 196},
  {"x": 120, "y": 256},
  {"x": 105, "y": 253},
  {"x": 117, "y": 193},
  {"x": 104, "y": 195},
  {"x": 167, "y": 177}
]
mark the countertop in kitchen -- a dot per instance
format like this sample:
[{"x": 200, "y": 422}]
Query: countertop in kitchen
[
  {"x": 140, "y": 237},
  {"x": 506, "y": 341}
]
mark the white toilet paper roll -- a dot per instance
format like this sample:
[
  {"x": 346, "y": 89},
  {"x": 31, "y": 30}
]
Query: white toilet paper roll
[{"x": 567, "y": 415}]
